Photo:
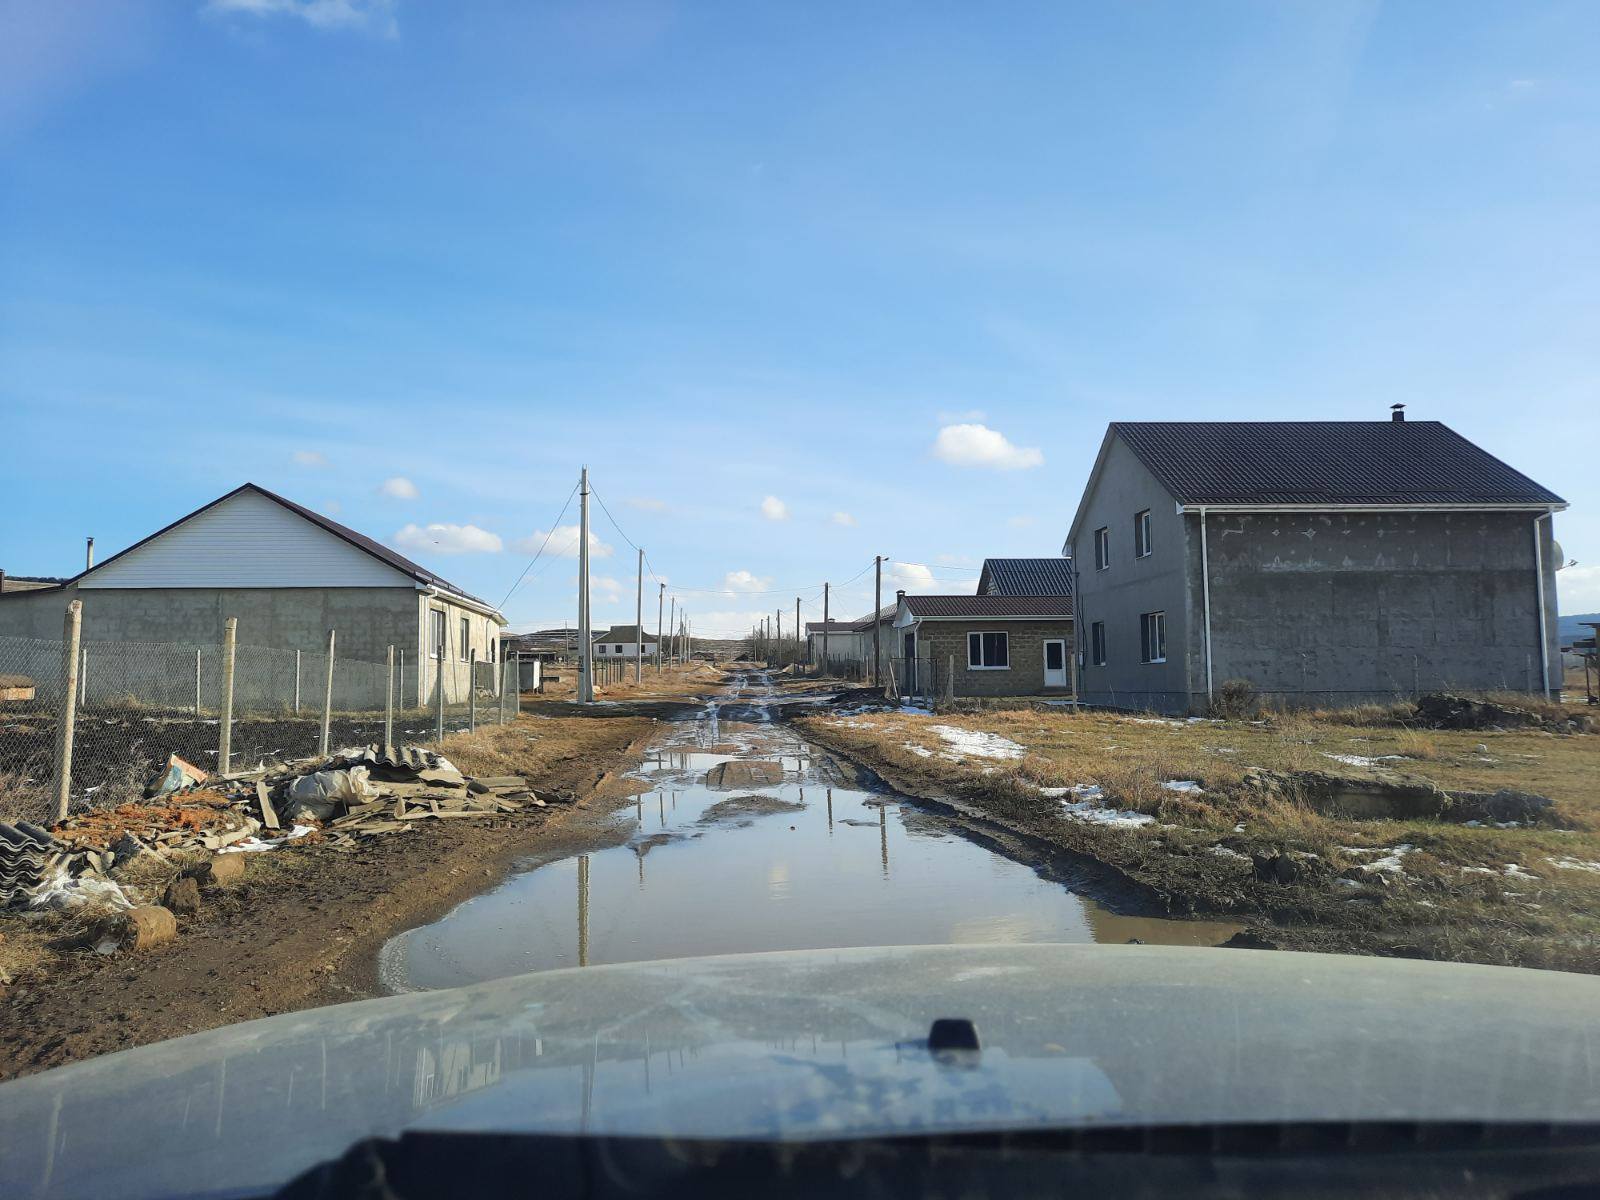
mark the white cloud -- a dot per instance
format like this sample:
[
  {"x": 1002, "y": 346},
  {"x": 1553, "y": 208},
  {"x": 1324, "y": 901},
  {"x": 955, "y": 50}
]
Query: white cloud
[
  {"x": 774, "y": 509},
  {"x": 372, "y": 16},
  {"x": 604, "y": 589},
  {"x": 980, "y": 446},
  {"x": 645, "y": 503},
  {"x": 1579, "y": 589},
  {"x": 398, "y": 487},
  {"x": 448, "y": 539},
  {"x": 843, "y": 518},
  {"x": 745, "y": 581},
  {"x": 955, "y": 560},
  {"x": 563, "y": 543},
  {"x": 310, "y": 458},
  {"x": 913, "y": 577},
  {"x": 958, "y": 418}
]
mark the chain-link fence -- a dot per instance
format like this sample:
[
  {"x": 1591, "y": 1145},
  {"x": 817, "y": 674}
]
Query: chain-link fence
[{"x": 135, "y": 703}]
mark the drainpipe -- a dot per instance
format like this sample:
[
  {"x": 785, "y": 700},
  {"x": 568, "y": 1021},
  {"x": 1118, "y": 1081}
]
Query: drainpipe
[
  {"x": 1544, "y": 637},
  {"x": 1205, "y": 593}
]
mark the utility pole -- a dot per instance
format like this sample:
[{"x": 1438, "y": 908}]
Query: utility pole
[
  {"x": 778, "y": 641},
  {"x": 877, "y": 621},
  {"x": 799, "y": 633},
  {"x": 638, "y": 622},
  {"x": 585, "y": 650},
  {"x": 660, "y": 600},
  {"x": 672, "y": 625},
  {"x": 824, "y": 627}
]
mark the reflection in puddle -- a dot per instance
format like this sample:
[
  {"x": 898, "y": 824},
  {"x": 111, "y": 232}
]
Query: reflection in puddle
[{"x": 798, "y": 864}]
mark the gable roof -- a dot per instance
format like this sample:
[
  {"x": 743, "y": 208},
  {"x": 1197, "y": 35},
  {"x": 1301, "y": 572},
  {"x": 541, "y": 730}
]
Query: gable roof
[
  {"x": 981, "y": 607},
  {"x": 623, "y": 633},
  {"x": 833, "y": 625},
  {"x": 359, "y": 540},
  {"x": 1026, "y": 577},
  {"x": 1325, "y": 464},
  {"x": 886, "y": 613}
]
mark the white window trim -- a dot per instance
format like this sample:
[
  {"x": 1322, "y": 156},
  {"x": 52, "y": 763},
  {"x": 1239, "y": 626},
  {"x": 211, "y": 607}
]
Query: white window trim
[
  {"x": 1103, "y": 656},
  {"x": 1098, "y": 565},
  {"x": 1142, "y": 533},
  {"x": 434, "y": 649},
  {"x": 1153, "y": 662},
  {"x": 1005, "y": 633}
]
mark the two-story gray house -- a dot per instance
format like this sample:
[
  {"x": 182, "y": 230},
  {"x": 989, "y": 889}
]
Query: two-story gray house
[{"x": 1326, "y": 562}]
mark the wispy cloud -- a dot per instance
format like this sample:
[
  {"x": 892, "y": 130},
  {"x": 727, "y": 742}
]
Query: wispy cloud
[
  {"x": 1579, "y": 589},
  {"x": 843, "y": 518},
  {"x": 746, "y": 581},
  {"x": 603, "y": 588},
  {"x": 913, "y": 577},
  {"x": 774, "y": 509},
  {"x": 365, "y": 16},
  {"x": 310, "y": 458},
  {"x": 959, "y": 418},
  {"x": 398, "y": 487},
  {"x": 440, "y": 538},
  {"x": 980, "y": 446},
  {"x": 562, "y": 543}
]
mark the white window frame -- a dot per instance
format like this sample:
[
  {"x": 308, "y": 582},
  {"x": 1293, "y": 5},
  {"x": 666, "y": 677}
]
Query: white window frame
[
  {"x": 1102, "y": 548},
  {"x": 1141, "y": 534},
  {"x": 466, "y": 639},
  {"x": 1157, "y": 622},
  {"x": 980, "y": 634},
  {"x": 1097, "y": 643},
  {"x": 436, "y": 625}
]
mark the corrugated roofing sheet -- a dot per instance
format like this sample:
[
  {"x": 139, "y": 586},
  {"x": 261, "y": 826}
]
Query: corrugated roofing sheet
[
  {"x": 1325, "y": 462},
  {"x": 1026, "y": 577},
  {"x": 989, "y": 606}
]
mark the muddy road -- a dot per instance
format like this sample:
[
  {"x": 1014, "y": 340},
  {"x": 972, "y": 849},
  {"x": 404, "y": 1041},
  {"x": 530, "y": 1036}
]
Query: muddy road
[{"x": 745, "y": 837}]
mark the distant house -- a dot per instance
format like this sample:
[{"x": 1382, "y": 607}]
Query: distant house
[
  {"x": 289, "y": 575},
  {"x": 1025, "y": 577},
  {"x": 838, "y": 640},
  {"x": 1325, "y": 562},
  {"x": 620, "y": 641},
  {"x": 984, "y": 645}
]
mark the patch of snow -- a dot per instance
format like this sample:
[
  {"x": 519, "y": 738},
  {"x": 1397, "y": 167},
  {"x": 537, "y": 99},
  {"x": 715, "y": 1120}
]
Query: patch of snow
[
  {"x": 255, "y": 845},
  {"x": 1227, "y": 852},
  {"x": 1094, "y": 814},
  {"x": 1389, "y": 864},
  {"x": 965, "y": 742},
  {"x": 1362, "y": 760},
  {"x": 1478, "y": 871},
  {"x": 1514, "y": 871},
  {"x": 1187, "y": 786},
  {"x": 919, "y": 751},
  {"x": 1054, "y": 793},
  {"x": 1575, "y": 864}
]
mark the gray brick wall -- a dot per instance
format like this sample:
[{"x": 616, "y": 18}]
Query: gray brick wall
[{"x": 940, "y": 640}]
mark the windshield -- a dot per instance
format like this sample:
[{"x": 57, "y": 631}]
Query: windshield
[{"x": 1079, "y": 514}]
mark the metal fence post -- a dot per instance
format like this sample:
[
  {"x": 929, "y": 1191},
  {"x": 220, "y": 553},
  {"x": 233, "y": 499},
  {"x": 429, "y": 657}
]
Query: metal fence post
[
  {"x": 197, "y": 683},
  {"x": 400, "y": 696},
  {"x": 66, "y": 723},
  {"x": 327, "y": 698},
  {"x": 472, "y": 691},
  {"x": 230, "y": 637},
  {"x": 388, "y": 703},
  {"x": 297, "y": 681},
  {"x": 438, "y": 687},
  {"x": 83, "y": 677}
]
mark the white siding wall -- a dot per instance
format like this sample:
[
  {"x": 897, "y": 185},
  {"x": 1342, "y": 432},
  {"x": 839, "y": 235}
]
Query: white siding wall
[
  {"x": 247, "y": 541},
  {"x": 609, "y": 649}
]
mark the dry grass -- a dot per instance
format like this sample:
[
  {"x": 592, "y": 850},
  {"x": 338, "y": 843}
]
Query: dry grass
[
  {"x": 23, "y": 798},
  {"x": 1455, "y": 898},
  {"x": 530, "y": 744}
]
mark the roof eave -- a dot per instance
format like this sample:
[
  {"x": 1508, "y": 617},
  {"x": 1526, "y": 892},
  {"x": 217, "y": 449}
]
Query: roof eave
[{"x": 1188, "y": 506}]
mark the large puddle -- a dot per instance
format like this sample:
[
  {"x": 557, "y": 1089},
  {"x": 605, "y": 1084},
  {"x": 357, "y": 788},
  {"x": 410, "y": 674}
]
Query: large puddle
[{"x": 810, "y": 861}]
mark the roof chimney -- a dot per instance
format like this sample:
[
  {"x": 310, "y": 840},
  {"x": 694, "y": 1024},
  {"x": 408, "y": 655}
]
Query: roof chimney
[
  {"x": 88, "y": 555},
  {"x": 1397, "y": 412},
  {"x": 899, "y": 596}
]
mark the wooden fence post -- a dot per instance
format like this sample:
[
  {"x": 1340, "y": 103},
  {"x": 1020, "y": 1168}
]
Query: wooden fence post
[
  {"x": 66, "y": 723},
  {"x": 472, "y": 690},
  {"x": 230, "y": 638}
]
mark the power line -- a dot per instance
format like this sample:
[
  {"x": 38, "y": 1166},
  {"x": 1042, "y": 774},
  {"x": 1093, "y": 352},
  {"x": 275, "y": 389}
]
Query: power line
[{"x": 554, "y": 525}]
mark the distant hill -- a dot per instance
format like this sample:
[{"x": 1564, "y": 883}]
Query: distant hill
[{"x": 1571, "y": 626}]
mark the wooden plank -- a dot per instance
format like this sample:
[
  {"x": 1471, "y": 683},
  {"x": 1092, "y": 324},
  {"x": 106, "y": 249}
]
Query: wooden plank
[{"x": 269, "y": 815}]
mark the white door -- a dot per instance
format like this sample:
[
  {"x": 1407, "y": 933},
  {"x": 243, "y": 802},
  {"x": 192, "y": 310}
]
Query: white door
[{"x": 1055, "y": 663}]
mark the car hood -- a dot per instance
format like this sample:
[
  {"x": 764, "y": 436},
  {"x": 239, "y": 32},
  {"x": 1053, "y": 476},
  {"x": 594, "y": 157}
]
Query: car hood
[{"x": 818, "y": 1044}]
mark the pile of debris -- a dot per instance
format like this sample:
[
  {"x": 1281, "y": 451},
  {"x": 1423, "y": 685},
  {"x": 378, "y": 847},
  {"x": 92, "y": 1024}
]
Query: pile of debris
[
  {"x": 1443, "y": 710},
  {"x": 27, "y": 854}
]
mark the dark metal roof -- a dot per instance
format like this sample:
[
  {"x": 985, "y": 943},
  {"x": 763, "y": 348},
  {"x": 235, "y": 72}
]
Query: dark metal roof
[
  {"x": 1329, "y": 463},
  {"x": 623, "y": 633},
  {"x": 989, "y": 606},
  {"x": 1026, "y": 577},
  {"x": 886, "y": 613},
  {"x": 833, "y": 625},
  {"x": 359, "y": 540}
]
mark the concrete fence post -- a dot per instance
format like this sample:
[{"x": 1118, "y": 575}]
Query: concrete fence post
[
  {"x": 327, "y": 697},
  {"x": 472, "y": 691},
  {"x": 66, "y": 723},
  {"x": 83, "y": 677},
  {"x": 438, "y": 696},
  {"x": 297, "y": 681},
  {"x": 400, "y": 696},
  {"x": 388, "y": 703},
  {"x": 230, "y": 638},
  {"x": 197, "y": 683}
]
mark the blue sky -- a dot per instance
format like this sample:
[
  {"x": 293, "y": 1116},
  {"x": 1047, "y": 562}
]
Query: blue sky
[{"x": 764, "y": 267}]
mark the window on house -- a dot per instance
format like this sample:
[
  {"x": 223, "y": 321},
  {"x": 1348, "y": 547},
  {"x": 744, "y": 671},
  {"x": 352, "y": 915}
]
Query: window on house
[
  {"x": 1141, "y": 534},
  {"x": 988, "y": 650},
  {"x": 466, "y": 638},
  {"x": 618, "y": 650},
  {"x": 1097, "y": 643},
  {"x": 435, "y": 631},
  {"x": 1153, "y": 637},
  {"x": 1102, "y": 548}
]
